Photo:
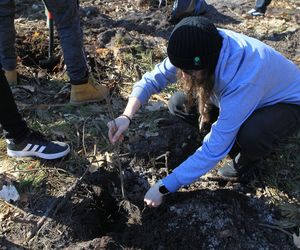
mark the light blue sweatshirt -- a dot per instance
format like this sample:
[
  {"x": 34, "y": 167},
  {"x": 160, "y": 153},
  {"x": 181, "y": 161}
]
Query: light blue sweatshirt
[{"x": 249, "y": 75}]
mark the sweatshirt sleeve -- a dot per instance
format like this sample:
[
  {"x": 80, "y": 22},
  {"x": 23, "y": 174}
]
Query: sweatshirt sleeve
[
  {"x": 153, "y": 82},
  {"x": 235, "y": 107}
]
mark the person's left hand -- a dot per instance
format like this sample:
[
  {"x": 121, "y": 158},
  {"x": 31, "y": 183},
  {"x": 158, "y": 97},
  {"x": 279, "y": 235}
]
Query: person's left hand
[{"x": 153, "y": 198}]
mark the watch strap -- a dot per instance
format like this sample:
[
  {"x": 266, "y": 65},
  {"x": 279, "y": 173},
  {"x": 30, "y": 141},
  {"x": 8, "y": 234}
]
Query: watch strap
[{"x": 162, "y": 188}]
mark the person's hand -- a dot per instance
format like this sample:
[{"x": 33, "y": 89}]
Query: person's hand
[
  {"x": 153, "y": 197},
  {"x": 117, "y": 128}
]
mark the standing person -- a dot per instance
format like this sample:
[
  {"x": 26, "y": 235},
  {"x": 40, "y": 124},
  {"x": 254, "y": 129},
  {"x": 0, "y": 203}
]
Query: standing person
[
  {"x": 67, "y": 21},
  {"x": 184, "y": 8},
  {"x": 22, "y": 141},
  {"x": 260, "y": 8},
  {"x": 256, "y": 89}
]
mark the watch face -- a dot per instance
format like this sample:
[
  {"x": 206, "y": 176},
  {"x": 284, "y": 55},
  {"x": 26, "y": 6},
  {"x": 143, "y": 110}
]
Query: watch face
[{"x": 162, "y": 189}]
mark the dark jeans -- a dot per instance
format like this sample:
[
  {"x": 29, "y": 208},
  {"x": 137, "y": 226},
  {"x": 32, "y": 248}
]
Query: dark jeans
[
  {"x": 67, "y": 21},
  {"x": 261, "y": 5},
  {"x": 12, "y": 123},
  {"x": 259, "y": 132}
]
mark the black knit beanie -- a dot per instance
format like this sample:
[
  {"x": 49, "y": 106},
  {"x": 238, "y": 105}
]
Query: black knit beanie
[{"x": 195, "y": 44}]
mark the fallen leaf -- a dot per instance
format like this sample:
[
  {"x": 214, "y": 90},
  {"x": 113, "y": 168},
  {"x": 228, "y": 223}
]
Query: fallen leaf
[
  {"x": 102, "y": 52},
  {"x": 109, "y": 159},
  {"x": 36, "y": 34}
]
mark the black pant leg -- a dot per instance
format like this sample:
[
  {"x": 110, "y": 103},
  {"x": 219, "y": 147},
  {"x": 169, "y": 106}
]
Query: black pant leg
[
  {"x": 7, "y": 35},
  {"x": 263, "y": 128},
  {"x": 11, "y": 120}
]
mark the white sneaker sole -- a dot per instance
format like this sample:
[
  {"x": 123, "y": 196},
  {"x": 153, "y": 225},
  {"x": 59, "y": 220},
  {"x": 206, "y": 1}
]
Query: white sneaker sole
[{"x": 13, "y": 153}]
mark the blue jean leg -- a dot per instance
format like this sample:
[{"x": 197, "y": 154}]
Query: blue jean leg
[
  {"x": 67, "y": 21},
  {"x": 7, "y": 35},
  {"x": 261, "y": 5}
]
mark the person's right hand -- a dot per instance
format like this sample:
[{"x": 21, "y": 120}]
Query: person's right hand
[{"x": 117, "y": 128}]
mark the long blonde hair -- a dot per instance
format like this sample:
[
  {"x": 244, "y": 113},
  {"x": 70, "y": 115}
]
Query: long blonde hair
[{"x": 199, "y": 88}]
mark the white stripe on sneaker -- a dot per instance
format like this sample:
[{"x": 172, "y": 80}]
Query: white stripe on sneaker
[
  {"x": 34, "y": 148},
  {"x": 53, "y": 156},
  {"x": 41, "y": 149},
  {"x": 27, "y": 147}
]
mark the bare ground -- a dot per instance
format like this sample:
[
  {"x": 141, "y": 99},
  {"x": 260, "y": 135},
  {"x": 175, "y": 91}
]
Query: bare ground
[{"x": 77, "y": 202}]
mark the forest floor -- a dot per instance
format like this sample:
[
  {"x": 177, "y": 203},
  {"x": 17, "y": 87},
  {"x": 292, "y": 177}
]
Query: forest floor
[{"x": 77, "y": 202}]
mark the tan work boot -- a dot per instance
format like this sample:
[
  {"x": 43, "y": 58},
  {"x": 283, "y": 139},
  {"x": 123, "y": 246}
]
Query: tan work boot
[
  {"x": 88, "y": 92},
  {"x": 11, "y": 77}
]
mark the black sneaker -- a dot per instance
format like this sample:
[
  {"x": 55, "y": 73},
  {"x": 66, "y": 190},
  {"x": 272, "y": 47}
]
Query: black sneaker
[
  {"x": 35, "y": 144},
  {"x": 254, "y": 12}
]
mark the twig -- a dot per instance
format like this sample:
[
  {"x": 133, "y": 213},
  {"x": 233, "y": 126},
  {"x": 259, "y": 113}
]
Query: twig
[
  {"x": 117, "y": 145},
  {"x": 95, "y": 150},
  {"x": 39, "y": 106},
  {"x": 56, "y": 202},
  {"x": 121, "y": 171},
  {"x": 37, "y": 233},
  {"x": 83, "y": 136},
  {"x": 163, "y": 155},
  {"x": 36, "y": 169},
  {"x": 41, "y": 221},
  {"x": 94, "y": 156},
  {"x": 14, "y": 207},
  {"x": 275, "y": 227},
  {"x": 125, "y": 154},
  {"x": 117, "y": 150},
  {"x": 166, "y": 160},
  {"x": 138, "y": 71},
  {"x": 166, "y": 156},
  {"x": 101, "y": 133}
]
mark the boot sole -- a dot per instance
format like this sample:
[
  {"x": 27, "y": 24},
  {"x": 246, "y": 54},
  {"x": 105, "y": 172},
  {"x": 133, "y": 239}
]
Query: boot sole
[{"x": 76, "y": 103}]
